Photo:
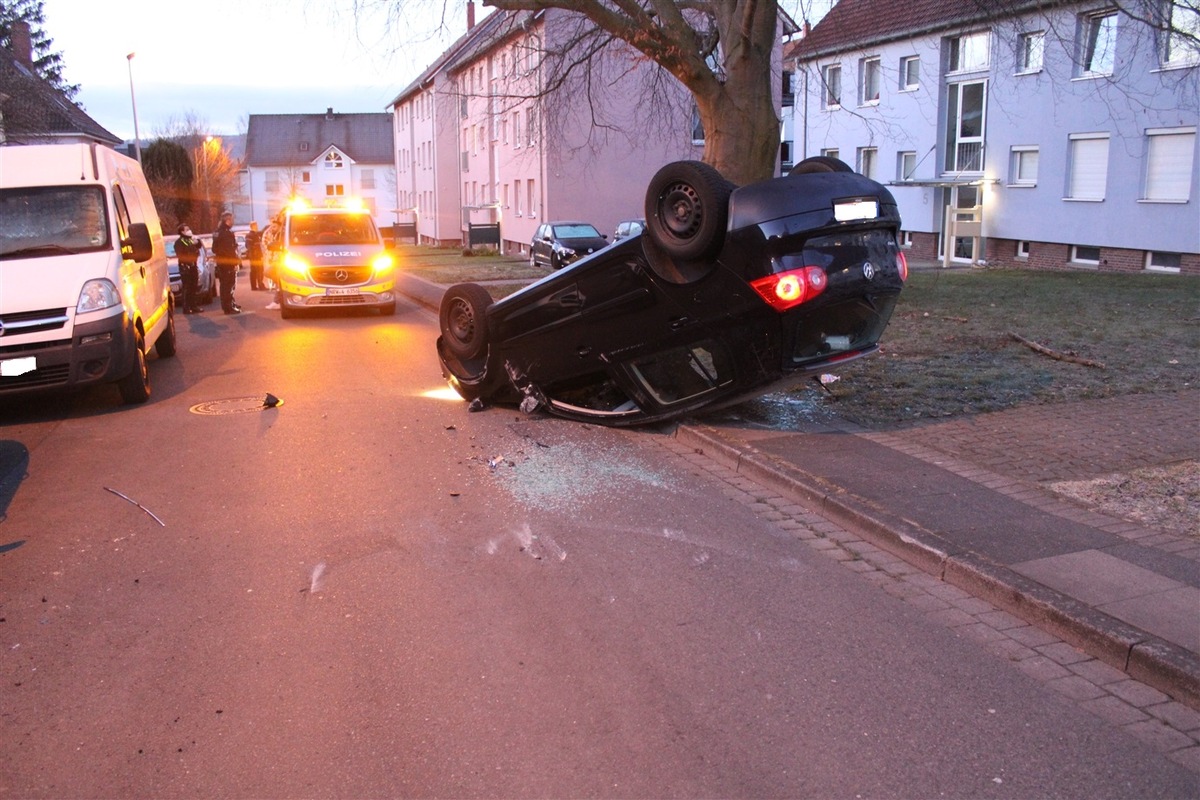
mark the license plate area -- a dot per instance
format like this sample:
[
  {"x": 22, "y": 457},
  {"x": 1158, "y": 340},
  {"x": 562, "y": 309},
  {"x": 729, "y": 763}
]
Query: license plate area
[{"x": 341, "y": 291}]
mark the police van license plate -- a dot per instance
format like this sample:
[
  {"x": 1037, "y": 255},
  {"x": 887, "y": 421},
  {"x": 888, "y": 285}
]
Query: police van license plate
[{"x": 341, "y": 291}]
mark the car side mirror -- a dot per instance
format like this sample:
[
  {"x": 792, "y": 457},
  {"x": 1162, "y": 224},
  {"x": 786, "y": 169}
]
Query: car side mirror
[{"x": 138, "y": 246}]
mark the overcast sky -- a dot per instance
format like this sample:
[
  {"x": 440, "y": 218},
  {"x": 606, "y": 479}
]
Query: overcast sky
[
  {"x": 222, "y": 60},
  {"x": 226, "y": 59}
]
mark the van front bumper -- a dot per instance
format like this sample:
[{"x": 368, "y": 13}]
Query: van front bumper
[
  {"x": 312, "y": 297},
  {"x": 99, "y": 351}
]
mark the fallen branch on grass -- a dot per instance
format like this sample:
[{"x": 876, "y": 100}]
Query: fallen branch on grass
[{"x": 1046, "y": 351}]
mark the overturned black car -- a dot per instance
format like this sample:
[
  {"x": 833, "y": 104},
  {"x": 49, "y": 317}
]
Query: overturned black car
[{"x": 729, "y": 293}]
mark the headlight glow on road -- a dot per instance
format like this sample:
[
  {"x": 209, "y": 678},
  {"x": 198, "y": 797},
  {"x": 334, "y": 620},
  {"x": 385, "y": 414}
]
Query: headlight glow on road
[{"x": 444, "y": 393}]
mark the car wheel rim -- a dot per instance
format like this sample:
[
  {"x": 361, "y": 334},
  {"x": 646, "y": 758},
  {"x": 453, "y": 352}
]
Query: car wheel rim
[
  {"x": 682, "y": 210},
  {"x": 462, "y": 322}
]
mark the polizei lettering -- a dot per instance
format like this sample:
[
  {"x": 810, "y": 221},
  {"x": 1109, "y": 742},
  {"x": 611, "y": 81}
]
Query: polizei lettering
[{"x": 339, "y": 254}]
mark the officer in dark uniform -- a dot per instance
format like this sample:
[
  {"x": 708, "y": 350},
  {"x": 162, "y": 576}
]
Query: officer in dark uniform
[
  {"x": 225, "y": 250},
  {"x": 254, "y": 252},
  {"x": 187, "y": 250}
]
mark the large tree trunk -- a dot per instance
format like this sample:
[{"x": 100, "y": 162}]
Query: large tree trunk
[{"x": 741, "y": 132}]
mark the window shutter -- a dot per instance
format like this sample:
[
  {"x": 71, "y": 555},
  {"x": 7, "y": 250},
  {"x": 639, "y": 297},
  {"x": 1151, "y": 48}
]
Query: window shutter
[
  {"x": 1089, "y": 168},
  {"x": 1169, "y": 166}
]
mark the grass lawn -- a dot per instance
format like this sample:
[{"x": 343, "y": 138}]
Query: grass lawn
[{"x": 949, "y": 348}]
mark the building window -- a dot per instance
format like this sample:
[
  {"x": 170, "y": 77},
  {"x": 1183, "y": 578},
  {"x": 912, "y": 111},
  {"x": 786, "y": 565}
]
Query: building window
[
  {"x": 335, "y": 190},
  {"x": 906, "y": 238},
  {"x": 906, "y": 165},
  {"x": 969, "y": 53},
  {"x": 910, "y": 73},
  {"x": 367, "y": 179},
  {"x": 1169, "y": 155},
  {"x": 1023, "y": 166},
  {"x": 305, "y": 176},
  {"x": 868, "y": 81},
  {"x": 334, "y": 161},
  {"x": 1182, "y": 35},
  {"x": 1081, "y": 254},
  {"x": 833, "y": 86},
  {"x": 1163, "y": 262},
  {"x": 965, "y": 126},
  {"x": 1088, "y": 174},
  {"x": 831, "y": 152},
  {"x": 1031, "y": 47},
  {"x": 866, "y": 161},
  {"x": 1097, "y": 44},
  {"x": 531, "y": 203},
  {"x": 272, "y": 181},
  {"x": 697, "y": 127},
  {"x": 530, "y": 126},
  {"x": 304, "y": 147},
  {"x": 517, "y": 195},
  {"x": 516, "y": 118},
  {"x": 1023, "y": 249}
]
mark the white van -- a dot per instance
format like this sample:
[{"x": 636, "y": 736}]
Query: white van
[
  {"x": 332, "y": 258},
  {"x": 84, "y": 291}
]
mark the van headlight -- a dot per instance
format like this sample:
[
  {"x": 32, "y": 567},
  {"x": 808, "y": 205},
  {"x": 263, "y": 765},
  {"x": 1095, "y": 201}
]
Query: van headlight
[
  {"x": 296, "y": 265},
  {"x": 382, "y": 264},
  {"x": 97, "y": 295}
]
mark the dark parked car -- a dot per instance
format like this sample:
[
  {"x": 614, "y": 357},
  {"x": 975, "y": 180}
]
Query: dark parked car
[
  {"x": 556, "y": 244},
  {"x": 207, "y": 283},
  {"x": 730, "y": 292}
]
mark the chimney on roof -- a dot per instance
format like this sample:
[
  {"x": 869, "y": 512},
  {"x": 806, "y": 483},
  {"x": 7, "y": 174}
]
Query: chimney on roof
[
  {"x": 470, "y": 14},
  {"x": 22, "y": 42},
  {"x": 805, "y": 31},
  {"x": 329, "y": 112}
]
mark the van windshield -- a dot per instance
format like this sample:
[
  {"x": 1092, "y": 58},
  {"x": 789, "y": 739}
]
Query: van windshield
[
  {"x": 40, "y": 221},
  {"x": 309, "y": 229}
]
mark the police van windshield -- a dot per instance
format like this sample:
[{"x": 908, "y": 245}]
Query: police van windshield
[
  {"x": 318, "y": 229},
  {"x": 38, "y": 221}
]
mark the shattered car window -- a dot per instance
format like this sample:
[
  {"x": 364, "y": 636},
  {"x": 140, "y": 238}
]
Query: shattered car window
[{"x": 51, "y": 220}]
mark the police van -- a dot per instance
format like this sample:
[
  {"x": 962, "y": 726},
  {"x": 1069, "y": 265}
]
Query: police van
[
  {"x": 332, "y": 258},
  {"x": 84, "y": 290}
]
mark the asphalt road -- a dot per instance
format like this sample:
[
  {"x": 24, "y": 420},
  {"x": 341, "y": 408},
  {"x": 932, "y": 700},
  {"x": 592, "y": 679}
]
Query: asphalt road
[{"x": 370, "y": 592}]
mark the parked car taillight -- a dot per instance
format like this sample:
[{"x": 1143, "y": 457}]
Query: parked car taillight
[
  {"x": 785, "y": 290},
  {"x": 902, "y": 263}
]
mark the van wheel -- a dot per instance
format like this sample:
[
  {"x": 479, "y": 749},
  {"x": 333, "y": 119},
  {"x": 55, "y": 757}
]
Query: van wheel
[
  {"x": 388, "y": 311},
  {"x": 135, "y": 387},
  {"x": 463, "y": 319},
  {"x": 165, "y": 346},
  {"x": 687, "y": 210}
]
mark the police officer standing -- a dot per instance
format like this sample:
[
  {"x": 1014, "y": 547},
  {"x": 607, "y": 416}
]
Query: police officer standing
[
  {"x": 225, "y": 250},
  {"x": 187, "y": 250},
  {"x": 254, "y": 252}
]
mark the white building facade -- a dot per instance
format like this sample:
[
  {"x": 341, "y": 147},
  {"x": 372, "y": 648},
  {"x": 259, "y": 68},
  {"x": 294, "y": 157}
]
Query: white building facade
[
  {"x": 1050, "y": 139},
  {"x": 326, "y": 159},
  {"x": 486, "y": 135}
]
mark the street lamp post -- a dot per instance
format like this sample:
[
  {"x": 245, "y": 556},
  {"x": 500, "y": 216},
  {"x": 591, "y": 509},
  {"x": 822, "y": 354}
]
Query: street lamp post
[{"x": 137, "y": 137}]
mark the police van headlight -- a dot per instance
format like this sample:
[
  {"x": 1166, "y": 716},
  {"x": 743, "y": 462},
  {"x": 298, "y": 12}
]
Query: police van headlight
[
  {"x": 383, "y": 264},
  {"x": 97, "y": 295},
  {"x": 296, "y": 265}
]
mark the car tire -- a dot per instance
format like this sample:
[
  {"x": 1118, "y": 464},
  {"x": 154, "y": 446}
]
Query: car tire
[
  {"x": 135, "y": 387},
  {"x": 687, "y": 210},
  {"x": 285, "y": 312},
  {"x": 388, "y": 311},
  {"x": 555, "y": 263},
  {"x": 820, "y": 164},
  {"x": 165, "y": 346},
  {"x": 463, "y": 320}
]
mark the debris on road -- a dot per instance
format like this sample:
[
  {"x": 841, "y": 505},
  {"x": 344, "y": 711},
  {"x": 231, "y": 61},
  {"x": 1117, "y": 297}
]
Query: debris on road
[{"x": 153, "y": 516}]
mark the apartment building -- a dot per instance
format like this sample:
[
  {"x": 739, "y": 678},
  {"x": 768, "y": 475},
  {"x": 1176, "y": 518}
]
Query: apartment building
[
  {"x": 1053, "y": 136},
  {"x": 326, "y": 159},
  {"x": 489, "y": 134}
]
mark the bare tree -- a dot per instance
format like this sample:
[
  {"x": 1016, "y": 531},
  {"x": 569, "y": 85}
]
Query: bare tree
[{"x": 216, "y": 181}]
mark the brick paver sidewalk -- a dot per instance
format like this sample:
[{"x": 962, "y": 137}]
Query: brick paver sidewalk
[{"x": 1075, "y": 441}]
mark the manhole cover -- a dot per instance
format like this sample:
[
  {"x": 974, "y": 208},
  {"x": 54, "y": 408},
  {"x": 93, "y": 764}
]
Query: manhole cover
[{"x": 235, "y": 405}]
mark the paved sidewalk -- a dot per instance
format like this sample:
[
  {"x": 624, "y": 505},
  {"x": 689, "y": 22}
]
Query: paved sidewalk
[{"x": 960, "y": 499}]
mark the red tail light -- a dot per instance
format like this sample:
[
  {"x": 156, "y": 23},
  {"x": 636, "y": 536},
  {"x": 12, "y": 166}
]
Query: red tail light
[
  {"x": 789, "y": 289},
  {"x": 902, "y": 263}
]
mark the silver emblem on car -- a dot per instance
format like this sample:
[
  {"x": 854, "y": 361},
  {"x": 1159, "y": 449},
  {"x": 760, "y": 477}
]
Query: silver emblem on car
[
  {"x": 342, "y": 275},
  {"x": 1, "y": 328},
  {"x": 868, "y": 270}
]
